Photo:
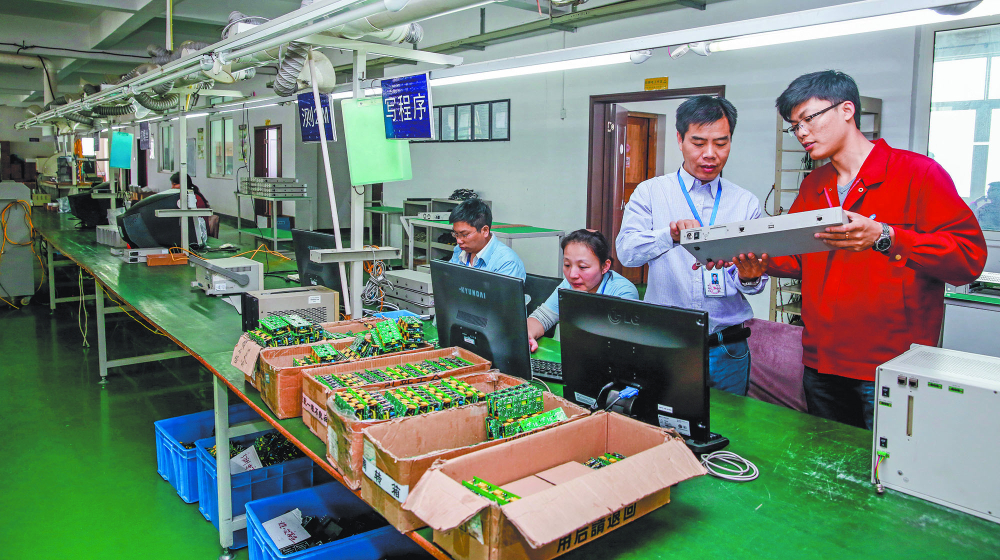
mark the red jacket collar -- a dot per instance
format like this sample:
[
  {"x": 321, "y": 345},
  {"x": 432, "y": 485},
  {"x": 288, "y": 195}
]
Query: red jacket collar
[{"x": 872, "y": 173}]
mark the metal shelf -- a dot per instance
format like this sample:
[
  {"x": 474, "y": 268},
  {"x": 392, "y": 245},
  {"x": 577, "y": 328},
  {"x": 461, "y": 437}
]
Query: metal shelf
[
  {"x": 443, "y": 246},
  {"x": 791, "y": 289},
  {"x": 791, "y": 308}
]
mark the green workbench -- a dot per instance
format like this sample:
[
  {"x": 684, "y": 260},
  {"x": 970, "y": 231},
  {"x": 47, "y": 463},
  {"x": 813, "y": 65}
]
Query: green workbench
[{"x": 813, "y": 497}]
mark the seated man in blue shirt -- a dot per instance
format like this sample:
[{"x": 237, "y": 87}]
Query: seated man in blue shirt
[
  {"x": 696, "y": 194},
  {"x": 477, "y": 247}
]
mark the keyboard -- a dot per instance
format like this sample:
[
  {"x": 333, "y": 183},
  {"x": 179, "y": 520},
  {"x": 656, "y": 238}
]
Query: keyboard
[{"x": 546, "y": 369}]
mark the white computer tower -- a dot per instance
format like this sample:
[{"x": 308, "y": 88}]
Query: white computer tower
[{"x": 937, "y": 413}]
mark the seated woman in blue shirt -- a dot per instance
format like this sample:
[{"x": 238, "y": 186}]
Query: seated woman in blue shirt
[{"x": 587, "y": 268}]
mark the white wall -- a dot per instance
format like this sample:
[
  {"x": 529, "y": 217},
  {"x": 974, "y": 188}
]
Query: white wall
[
  {"x": 540, "y": 176},
  {"x": 20, "y": 144}
]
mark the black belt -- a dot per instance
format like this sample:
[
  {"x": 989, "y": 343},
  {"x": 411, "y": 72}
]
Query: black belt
[{"x": 729, "y": 335}]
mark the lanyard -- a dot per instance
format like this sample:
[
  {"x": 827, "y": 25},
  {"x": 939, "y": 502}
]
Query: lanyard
[
  {"x": 604, "y": 283},
  {"x": 715, "y": 209}
]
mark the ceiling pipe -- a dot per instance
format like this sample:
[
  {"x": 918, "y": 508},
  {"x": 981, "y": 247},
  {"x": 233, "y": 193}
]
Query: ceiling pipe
[{"x": 49, "y": 79}]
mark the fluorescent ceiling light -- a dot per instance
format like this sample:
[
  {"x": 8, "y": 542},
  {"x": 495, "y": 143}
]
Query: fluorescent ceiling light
[
  {"x": 245, "y": 108},
  {"x": 350, "y": 94},
  {"x": 850, "y": 27},
  {"x": 587, "y": 62}
]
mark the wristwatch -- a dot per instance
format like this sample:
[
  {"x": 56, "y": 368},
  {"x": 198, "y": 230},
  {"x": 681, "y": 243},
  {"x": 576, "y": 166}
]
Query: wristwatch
[
  {"x": 884, "y": 241},
  {"x": 750, "y": 283}
]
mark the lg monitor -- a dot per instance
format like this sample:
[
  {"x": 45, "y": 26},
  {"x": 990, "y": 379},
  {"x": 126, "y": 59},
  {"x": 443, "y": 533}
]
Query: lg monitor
[
  {"x": 141, "y": 228},
  {"x": 484, "y": 313},
  {"x": 91, "y": 212},
  {"x": 609, "y": 344},
  {"x": 310, "y": 273}
]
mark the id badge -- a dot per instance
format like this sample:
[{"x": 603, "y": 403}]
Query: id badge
[{"x": 714, "y": 282}]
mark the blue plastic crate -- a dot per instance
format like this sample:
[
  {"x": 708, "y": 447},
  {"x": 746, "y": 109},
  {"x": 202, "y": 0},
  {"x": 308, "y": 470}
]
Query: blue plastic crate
[
  {"x": 178, "y": 465},
  {"x": 396, "y": 314},
  {"x": 329, "y": 499},
  {"x": 247, "y": 486}
]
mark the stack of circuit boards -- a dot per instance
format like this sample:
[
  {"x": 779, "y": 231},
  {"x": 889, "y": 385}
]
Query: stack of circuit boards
[
  {"x": 516, "y": 410},
  {"x": 272, "y": 448},
  {"x": 393, "y": 373},
  {"x": 412, "y": 330},
  {"x": 289, "y": 330},
  {"x": 490, "y": 491},
  {"x": 408, "y": 400},
  {"x": 604, "y": 460}
]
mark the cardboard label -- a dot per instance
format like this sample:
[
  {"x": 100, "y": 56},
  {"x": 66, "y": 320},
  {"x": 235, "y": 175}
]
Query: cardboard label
[
  {"x": 220, "y": 287},
  {"x": 683, "y": 427},
  {"x": 245, "y": 461},
  {"x": 318, "y": 412},
  {"x": 245, "y": 355},
  {"x": 474, "y": 527},
  {"x": 332, "y": 448},
  {"x": 665, "y": 408},
  {"x": 286, "y": 530},
  {"x": 584, "y": 399},
  {"x": 314, "y": 300},
  {"x": 384, "y": 481}
]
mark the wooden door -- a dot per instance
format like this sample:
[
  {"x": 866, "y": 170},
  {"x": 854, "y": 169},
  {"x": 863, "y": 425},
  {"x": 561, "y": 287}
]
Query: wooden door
[{"x": 640, "y": 164}]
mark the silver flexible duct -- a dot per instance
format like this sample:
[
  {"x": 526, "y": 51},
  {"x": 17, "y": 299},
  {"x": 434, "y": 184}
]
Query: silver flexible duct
[
  {"x": 113, "y": 111},
  {"x": 77, "y": 118},
  {"x": 239, "y": 17},
  {"x": 164, "y": 88},
  {"x": 286, "y": 82},
  {"x": 164, "y": 103}
]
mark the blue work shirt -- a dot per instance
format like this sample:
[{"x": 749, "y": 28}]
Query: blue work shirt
[
  {"x": 645, "y": 238},
  {"x": 613, "y": 284},
  {"x": 495, "y": 257}
]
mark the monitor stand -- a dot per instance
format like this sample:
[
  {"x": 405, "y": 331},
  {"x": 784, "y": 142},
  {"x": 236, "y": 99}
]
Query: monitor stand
[{"x": 608, "y": 399}]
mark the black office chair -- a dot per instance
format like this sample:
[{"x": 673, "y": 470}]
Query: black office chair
[{"x": 539, "y": 288}]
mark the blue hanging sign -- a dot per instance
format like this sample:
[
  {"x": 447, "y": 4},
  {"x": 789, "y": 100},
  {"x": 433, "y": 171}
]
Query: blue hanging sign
[
  {"x": 308, "y": 121},
  {"x": 407, "y": 105}
]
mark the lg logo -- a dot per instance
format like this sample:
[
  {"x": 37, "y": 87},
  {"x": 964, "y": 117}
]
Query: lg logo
[{"x": 616, "y": 317}]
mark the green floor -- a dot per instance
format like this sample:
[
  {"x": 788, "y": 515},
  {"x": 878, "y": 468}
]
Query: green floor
[{"x": 78, "y": 470}]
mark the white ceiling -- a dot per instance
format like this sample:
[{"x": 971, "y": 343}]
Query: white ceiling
[{"x": 107, "y": 29}]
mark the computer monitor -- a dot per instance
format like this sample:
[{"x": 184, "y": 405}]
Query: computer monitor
[
  {"x": 311, "y": 273},
  {"x": 141, "y": 228},
  {"x": 91, "y": 212},
  {"x": 610, "y": 343},
  {"x": 484, "y": 313}
]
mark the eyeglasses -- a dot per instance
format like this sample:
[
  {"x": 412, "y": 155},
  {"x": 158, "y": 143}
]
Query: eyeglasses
[
  {"x": 461, "y": 236},
  {"x": 795, "y": 127}
]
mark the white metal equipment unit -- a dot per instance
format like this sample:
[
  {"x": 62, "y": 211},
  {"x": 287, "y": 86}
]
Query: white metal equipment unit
[
  {"x": 933, "y": 407},
  {"x": 230, "y": 275}
]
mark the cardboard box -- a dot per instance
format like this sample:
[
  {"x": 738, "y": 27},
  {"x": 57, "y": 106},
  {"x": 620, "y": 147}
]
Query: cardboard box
[
  {"x": 577, "y": 506},
  {"x": 352, "y": 326},
  {"x": 280, "y": 383},
  {"x": 344, "y": 437},
  {"x": 398, "y": 452},
  {"x": 315, "y": 393}
]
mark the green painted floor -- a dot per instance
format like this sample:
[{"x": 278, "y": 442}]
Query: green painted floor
[{"x": 78, "y": 469}]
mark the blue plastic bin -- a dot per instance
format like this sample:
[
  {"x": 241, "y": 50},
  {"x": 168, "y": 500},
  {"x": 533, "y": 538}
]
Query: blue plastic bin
[
  {"x": 329, "y": 499},
  {"x": 247, "y": 486},
  {"x": 179, "y": 466},
  {"x": 396, "y": 314}
]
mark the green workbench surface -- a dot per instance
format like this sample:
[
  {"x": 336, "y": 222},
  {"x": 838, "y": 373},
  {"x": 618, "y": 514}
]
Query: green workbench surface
[
  {"x": 973, "y": 297},
  {"x": 267, "y": 233},
  {"x": 384, "y": 209},
  {"x": 813, "y": 498}
]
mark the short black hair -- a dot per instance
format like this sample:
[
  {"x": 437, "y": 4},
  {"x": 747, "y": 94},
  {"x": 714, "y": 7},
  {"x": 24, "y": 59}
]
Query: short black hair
[
  {"x": 705, "y": 109},
  {"x": 829, "y": 85},
  {"x": 474, "y": 212},
  {"x": 594, "y": 240}
]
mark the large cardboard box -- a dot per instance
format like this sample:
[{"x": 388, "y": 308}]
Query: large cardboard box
[
  {"x": 349, "y": 326},
  {"x": 280, "y": 382},
  {"x": 562, "y": 506},
  {"x": 315, "y": 393},
  {"x": 399, "y": 452},
  {"x": 344, "y": 437}
]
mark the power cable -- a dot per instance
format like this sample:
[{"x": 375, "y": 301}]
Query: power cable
[{"x": 729, "y": 466}]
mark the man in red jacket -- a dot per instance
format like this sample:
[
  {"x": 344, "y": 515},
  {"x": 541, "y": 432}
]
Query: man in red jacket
[{"x": 881, "y": 287}]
